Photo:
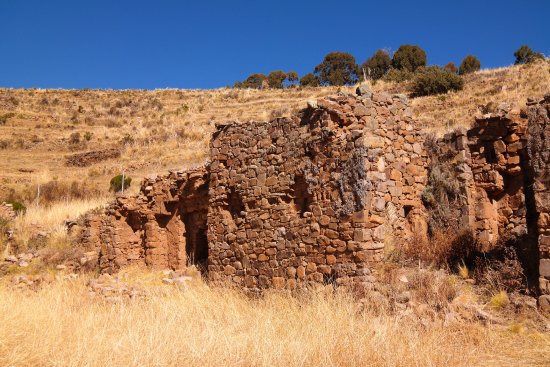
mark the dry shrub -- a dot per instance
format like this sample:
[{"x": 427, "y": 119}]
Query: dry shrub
[
  {"x": 59, "y": 190},
  {"x": 436, "y": 289},
  {"x": 279, "y": 112},
  {"x": 500, "y": 270},
  {"x": 56, "y": 191},
  {"x": 443, "y": 248}
]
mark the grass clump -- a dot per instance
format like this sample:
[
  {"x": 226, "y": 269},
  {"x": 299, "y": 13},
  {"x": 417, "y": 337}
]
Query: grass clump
[{"x": 499, "y": 301}]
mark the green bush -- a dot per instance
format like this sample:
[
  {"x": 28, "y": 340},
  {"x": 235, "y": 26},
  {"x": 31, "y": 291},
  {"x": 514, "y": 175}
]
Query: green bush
[
  {"x": 409, "y": 57},
  {"x": 309, "y": 80},
  {"x": 337, "y": 68},
  {"x": 525, "y": 55},
  {"x": 377, "y": 65},
  {"x": 18, "y": 207},
  {"x": 254, "y": 81},
  {"x": 116, "y": 183},
  {"x": 470, "y": 64},
  {"x": 434, "y": 80},
  {"x": 276, "y": 78},
  {"x": 398, "y": 76},
  {"x": 451, "y": 68}
]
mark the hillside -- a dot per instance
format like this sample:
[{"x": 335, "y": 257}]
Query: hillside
[
  {"x": 162, "y": 129},
  {"x": 170, "y": 129}
]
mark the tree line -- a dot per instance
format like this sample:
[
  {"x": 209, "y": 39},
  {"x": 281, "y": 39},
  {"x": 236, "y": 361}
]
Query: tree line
[{"x": 409, "y": 62}]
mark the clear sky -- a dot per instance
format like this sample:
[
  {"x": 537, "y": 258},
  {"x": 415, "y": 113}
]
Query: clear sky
[{"x": 151, "y": 44}]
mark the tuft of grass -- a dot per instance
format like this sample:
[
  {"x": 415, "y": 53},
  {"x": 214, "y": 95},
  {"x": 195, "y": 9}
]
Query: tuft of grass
[
  {"x": 463, "y": 271},
  {"x": 499, "y": 301}
]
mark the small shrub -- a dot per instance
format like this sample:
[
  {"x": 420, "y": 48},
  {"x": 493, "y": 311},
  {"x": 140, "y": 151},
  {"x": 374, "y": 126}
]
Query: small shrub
[
  {"x": 5, "y": 117},
  {"x": 525, "y": 55},
  {"x": 127, "y": 140},
  {"x": 499, "y": 301},
  {"x": 116, "y": 183},
  {"x": 74, "y": 139},
  {"x": 18, "y": 207},
  {"x": 437, "y": 290},
  {"x": 469, "y": 65},
  {"x": 88, "y": 136},
  {"x": 500, "y": 270},
  {"x": 182, "y": 110},
  {"x": 279, "y": 112},
  {"x": 463, "y": 271},
  {"x": 434, "y": 80},
  {"x": 4, "y": 144}
]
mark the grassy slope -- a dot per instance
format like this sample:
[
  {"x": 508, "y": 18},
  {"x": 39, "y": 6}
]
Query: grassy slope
[{"x": 164, "y": 129}]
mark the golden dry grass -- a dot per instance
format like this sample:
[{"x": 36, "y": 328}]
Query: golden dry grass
[
  {"x": 513, "y": 84},
  {"x": 61, "y": 325},
  {"x": 50, "y": 219}
]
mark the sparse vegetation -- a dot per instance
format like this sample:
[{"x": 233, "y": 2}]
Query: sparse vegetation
[{"x": 61, "y": 324}]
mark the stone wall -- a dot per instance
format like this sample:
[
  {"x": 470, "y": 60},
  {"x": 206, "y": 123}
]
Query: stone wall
[
  {"x": 312, "y": 198},
  {"x": 489, "y": 162},
  {"x": 539, "y": 152},
  {"x": 6, "y": 212},
  {"x": 317, "y": 196},
  {"x": 304, "y": 199},
  {"x": 161, "y": 227}
]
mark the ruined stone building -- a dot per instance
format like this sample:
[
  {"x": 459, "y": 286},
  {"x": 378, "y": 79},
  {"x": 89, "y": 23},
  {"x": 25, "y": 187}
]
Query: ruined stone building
[{"x": 316, "y": 197}]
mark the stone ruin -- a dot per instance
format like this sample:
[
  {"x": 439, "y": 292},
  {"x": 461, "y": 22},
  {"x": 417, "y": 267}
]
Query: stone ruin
[{"x": 316, "y": 197}]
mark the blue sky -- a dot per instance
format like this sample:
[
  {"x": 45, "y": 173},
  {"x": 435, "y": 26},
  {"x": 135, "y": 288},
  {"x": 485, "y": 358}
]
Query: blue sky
[{"x": 207, "y": 44}]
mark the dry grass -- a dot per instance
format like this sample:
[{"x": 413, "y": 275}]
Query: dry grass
[
  {"x": 60, "y": 325},
  {"x": 50, "y": 219}
]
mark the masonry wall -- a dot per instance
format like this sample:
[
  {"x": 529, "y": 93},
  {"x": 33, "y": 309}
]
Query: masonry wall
[
  {"x": 161, "y": 227},
  {"x": 316, "y": 197},
  {"x": 304, "y": 199},
  {"x": 490, "y": 162},
  {"x": 539, "y": 152}
]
